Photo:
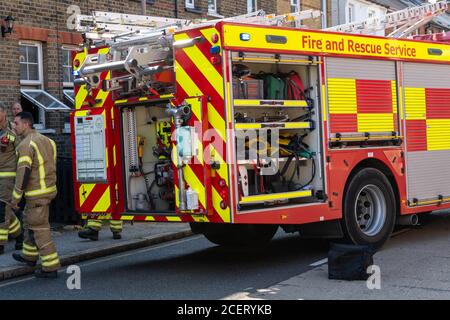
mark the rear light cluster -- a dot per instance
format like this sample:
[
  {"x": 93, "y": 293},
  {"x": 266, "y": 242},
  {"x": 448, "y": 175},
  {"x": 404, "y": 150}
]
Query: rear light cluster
[
  {"x": 223, "y": 193},
  {"x": 215, "y": 50}
]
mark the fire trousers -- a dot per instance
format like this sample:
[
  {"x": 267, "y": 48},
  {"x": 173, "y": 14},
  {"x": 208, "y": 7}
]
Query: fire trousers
[
  {"x": 9, "y": 224},
  {"x": 38, "y": 242},
  {"x": 115, "y": 226}
]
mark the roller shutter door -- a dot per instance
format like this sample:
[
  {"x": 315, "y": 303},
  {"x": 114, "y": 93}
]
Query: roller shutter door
[
  {"x": 362, "y": 96},
  {"x": 427, "y": 111}
]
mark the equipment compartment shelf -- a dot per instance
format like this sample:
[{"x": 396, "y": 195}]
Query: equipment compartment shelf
[
  {"x": 261, "y": 198},
  {"x": 268, "y": 125},
  {"x": 271, "y": 103}
]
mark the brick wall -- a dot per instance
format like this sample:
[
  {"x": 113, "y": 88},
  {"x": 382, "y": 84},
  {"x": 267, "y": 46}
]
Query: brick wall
[
  {"x": 9, "y": 70},
  {"x": 315, "y": 5},
  {"x": 46, "y": 21},
  {"x": 284, "y": 6}
]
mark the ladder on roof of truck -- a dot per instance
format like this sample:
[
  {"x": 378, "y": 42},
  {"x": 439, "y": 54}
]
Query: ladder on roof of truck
[
  {"x": 119, "y": 27},
  {"x": 146, "y": 41},
  {"x": 403, "y": 21}
]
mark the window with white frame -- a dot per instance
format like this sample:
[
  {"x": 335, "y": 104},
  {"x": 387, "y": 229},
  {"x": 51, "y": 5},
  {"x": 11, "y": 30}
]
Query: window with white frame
[
  {"x": 66, "y": 59},
  {"x": 251, "y": 6},
  {"x": 295, "y": 5},
  {"x": 371, "y": 13},
  {"x": 212, "y": 6},
  {"x": 190, "y": 4},
  {"x": 350, "y": 13},
  {"x": 31, "y": 65}
]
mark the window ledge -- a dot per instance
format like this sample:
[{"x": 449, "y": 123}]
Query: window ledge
[
  {"x": 193, "y": 10},
  {"x": 215, "y": 15},
  {"x": 31, "y": 83}
]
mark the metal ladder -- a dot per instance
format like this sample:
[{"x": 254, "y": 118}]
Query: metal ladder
[
  {"x": 404, "y": 22},
  {"x": 142, "y": 46},
  {"x": 116, "y": 27}
]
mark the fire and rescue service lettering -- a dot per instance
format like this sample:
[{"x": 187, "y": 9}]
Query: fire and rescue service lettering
[
  {"x": 352, "y": 46},
  {"x": 332, "y": 43}
]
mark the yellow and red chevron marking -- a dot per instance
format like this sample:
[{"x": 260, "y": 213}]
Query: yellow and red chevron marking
[
  {"x": 194, "y": 172},
  {"x": 197, "y": 76},
  {"x": 151, "y": 218},
  {"x": 135, "y": 100},
  {"x": 147, "y": 218},
  {"x": 80, "y": 91},
  {"x": 94, "y": 197},
  {"x": 96, "y": 97}
]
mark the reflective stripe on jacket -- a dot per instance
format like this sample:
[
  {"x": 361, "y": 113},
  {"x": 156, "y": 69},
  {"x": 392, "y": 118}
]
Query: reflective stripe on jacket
[
  {"x": 36, "y": 154},
  {"x": 8, "y": 160}
]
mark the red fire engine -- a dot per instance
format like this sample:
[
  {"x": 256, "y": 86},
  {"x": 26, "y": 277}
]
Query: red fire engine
[{"x": 240, "y": 126}]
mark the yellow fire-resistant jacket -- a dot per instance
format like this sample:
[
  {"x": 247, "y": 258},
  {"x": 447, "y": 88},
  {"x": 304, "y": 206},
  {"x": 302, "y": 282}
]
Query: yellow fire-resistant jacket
[
  {"x": 8, "y": 160},
  {"x": 36, "y": 168}
]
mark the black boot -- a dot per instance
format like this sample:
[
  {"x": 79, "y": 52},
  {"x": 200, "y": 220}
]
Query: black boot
[
  {"x": 88, "y": 233},
  {"x": 46, "y": 274},
  {"x": 117, "y": 235},
  {"x": 20, "y": 258},
  {"x": 2, "y": 249}
]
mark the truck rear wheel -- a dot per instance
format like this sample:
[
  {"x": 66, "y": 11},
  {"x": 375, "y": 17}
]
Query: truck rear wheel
[
  {"x": 369, "y": 208},
  {"x": 238, "y": 234}
]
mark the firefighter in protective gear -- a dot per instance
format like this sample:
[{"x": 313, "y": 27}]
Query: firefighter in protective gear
[
  {"x": 16, "y": 108},
  {"x": 94, "y": 226},
  {"x": 9, "y": 224},
  {"x": 36, "y": 180}
]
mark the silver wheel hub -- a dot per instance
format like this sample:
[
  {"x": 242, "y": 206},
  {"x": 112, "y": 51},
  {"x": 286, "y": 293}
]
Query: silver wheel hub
[{"x": 370, "y": 210}]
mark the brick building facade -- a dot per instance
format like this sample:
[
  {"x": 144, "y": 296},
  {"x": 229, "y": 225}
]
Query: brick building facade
[
  {"x": 39, "y": 46},
  {"x": 35, "y": 56}
]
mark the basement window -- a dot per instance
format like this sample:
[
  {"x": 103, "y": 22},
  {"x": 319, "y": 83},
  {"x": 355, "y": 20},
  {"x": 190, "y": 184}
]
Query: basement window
[
  {"x": 39, "y": 102},
  {"x": 43, "y": 99},
  {"x": 69, "y": 96}
]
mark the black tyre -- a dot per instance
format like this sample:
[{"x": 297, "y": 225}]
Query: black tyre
[
  {"x": 239, "y": 235},
  {"x": 369, "y": 208}
]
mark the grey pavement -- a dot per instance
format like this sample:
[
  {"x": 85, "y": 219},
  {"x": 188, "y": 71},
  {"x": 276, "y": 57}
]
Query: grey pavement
[
  {"x": 73, "y": 249},
  {"x": 414, "y": 264}
]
